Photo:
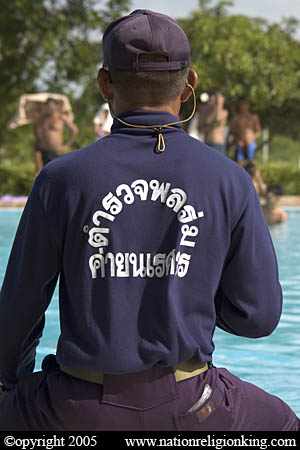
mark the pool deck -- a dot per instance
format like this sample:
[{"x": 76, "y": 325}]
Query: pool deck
[
  {"x": 12, "y": 205},
  {"x": 285, "y": 200},
  {"x": 290, "y": 200}
]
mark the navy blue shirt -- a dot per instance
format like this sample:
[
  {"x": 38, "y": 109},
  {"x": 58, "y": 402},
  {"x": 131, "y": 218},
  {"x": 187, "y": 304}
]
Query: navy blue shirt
[{"x": 152, "y": 250}]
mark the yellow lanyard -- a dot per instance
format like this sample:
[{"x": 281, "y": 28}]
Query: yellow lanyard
[{"x": 158, "y": 128}]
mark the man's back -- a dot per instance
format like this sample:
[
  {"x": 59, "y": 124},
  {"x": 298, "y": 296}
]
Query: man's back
[
  {"x": 157, "y": 240},
  {"x": 150, "y": 248},
  {"x": 274, "y": 215}
]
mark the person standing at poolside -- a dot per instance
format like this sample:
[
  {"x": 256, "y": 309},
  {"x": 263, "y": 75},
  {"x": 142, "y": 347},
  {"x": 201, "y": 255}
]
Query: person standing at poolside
[
  {"x": 49, "y": 134},
  {"x": 156, "y": 240},
  {"x": 245, "y": 128},
  {"x": 257, "y": 180},
  {"x": 212, "y": 119}
]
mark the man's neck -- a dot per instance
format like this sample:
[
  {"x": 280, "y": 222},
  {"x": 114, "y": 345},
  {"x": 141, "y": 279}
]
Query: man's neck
[
  {"x": 121, "y": 108},
  {"x": 163, "y": 108}
]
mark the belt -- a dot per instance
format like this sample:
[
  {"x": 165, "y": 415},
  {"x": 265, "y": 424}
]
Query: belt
[{"x": 182, "y": 371}]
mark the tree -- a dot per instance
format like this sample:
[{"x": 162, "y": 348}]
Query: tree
[
  {"x": 248, "y": 58},
  {"x": 50, "y": 45}
]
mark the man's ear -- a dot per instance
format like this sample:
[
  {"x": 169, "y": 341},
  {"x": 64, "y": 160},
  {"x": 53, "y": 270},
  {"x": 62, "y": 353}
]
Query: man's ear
[
  {"x": 105, "y": 85},
  {"x": 192, "y": 79}
]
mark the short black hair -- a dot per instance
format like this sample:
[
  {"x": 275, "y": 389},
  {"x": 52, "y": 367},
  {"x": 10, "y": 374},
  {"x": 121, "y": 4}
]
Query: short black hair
[
  {"x": 153, "y": 87},
  {"x": 275, "y": 189},
  {"x": 215, "y": 92},
  {"x": 52, "y": 100},
  {"x": 243, "y": 100}
]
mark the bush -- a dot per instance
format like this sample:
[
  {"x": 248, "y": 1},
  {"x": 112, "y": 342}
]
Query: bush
[
  {"x": 285, "y": 174},
  {"x": 282, "y": 149},
  {"x": 16, "y": 180}
]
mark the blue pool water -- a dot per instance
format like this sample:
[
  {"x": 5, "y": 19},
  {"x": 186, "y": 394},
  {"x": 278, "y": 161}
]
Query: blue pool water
[{"x": 273, "y": 363}]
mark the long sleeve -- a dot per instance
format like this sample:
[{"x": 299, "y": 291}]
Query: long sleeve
[
  {"x": 249, "y": 298},
  {"x": 27, "y": 289}
]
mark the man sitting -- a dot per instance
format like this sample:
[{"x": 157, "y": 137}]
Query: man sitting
[{"x": 272, "y": 211}]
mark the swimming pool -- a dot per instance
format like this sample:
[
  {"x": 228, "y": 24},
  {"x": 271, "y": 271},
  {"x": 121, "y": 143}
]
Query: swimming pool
[{"x": 273, "y": 363}]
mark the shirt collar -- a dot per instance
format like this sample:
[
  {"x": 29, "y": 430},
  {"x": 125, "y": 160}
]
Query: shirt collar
[{"x": 145, "y": 117}]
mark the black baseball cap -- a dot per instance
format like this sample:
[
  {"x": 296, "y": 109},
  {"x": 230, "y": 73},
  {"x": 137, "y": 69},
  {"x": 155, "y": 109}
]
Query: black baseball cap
[{"x": 145, "y": 32}]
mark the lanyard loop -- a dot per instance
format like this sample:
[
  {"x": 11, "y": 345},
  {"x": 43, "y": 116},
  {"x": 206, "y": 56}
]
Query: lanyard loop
[{"x": 160, "y": 140}]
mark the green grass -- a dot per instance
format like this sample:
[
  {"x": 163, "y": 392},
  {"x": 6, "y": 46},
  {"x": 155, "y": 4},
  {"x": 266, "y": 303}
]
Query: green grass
[{"x": 282, "y": 149}]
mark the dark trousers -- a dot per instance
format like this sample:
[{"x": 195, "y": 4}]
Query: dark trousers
[
  {"x": 148, "y": 400},
  {"x": 47, "y": 155},
  {"x": 221, "y": 148}
]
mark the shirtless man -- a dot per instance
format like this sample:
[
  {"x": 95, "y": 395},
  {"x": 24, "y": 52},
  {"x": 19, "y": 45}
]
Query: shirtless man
[
  {"x": 212, "y": 122},
  {"x": 272, "y": 211},
  {"x": 48, "y": 130},
  {"x": 245, "y": 129}
]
